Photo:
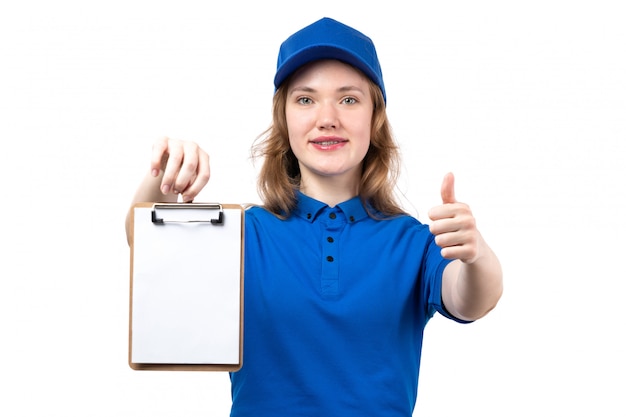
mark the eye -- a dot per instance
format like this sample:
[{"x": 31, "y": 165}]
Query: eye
[
  {"x": 349, "y": 100},
  {"x": 304, "y": 100}
]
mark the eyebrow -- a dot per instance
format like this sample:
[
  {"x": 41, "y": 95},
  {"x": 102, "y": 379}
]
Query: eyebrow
[{"x": 344, "y": 89}]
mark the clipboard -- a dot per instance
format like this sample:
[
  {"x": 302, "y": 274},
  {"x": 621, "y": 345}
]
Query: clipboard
[{"x": 186, "y": 287}]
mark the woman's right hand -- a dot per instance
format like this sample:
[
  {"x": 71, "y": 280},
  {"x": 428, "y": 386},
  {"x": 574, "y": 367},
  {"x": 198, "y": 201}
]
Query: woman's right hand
[{"x": 184, "y": 166}]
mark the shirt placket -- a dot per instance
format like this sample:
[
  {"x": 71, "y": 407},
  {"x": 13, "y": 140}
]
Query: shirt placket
[{"x": 332, "y": 225}]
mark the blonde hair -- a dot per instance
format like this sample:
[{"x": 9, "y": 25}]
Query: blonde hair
[{"x": 279, "y": 178}]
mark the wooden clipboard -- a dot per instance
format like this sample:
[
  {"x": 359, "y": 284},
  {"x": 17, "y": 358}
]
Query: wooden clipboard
[{"x": 186, "y": 287}]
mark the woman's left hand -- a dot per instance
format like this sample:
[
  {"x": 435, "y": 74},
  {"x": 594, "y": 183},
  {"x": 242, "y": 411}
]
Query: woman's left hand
[{"x": 454, "y": 226}]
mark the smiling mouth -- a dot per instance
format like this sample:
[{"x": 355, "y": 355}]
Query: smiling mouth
[{"x": 329, "y": 142}]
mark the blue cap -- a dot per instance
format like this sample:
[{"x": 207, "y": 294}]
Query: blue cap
[{"x": 328, "y": 39}]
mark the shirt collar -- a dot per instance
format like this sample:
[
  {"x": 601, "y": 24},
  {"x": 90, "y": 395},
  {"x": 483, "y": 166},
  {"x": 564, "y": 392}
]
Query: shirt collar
[{"x": 309, "y": 208}]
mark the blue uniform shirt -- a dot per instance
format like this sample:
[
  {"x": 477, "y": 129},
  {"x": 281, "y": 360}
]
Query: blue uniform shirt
[{"x": 335, "y": 305}]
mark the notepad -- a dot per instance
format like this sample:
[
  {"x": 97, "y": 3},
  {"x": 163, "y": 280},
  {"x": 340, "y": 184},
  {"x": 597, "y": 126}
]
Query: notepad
[{"x": 186, "y": 310}]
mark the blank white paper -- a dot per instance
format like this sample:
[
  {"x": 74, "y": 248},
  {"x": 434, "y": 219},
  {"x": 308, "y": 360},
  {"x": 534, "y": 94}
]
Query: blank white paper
[{"x": 186, "y": 288}]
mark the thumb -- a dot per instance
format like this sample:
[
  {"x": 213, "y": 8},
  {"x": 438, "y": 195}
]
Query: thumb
[{"x": 447, "y": 189}]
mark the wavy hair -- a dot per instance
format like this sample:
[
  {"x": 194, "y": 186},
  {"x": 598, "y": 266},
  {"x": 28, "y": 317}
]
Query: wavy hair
[{"x": 279, "y": 178}]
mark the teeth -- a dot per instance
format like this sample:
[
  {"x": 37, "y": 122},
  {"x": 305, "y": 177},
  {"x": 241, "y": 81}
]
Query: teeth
[{"x": 327, "y": 143}]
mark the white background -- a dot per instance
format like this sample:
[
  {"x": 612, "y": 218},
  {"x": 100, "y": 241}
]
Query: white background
[{"x": 524, "y": 101}]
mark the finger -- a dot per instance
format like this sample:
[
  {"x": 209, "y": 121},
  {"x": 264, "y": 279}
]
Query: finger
[
  {"x": 200, "y": 179},
  {"x": 172, "y": 168},
  {"x": 447, "y": 189},
  {"x": 466, "y": 252},
  {"x": 457, "y": 237},
  {"x": 451, "y": 217},
  {"x": 454, "y": 238},
  {"x": 159, "y": 156},
  {"x": 440, "y": 212},
  {"x": 443, "y": 225},
  {"x": 188, "y": 166}
]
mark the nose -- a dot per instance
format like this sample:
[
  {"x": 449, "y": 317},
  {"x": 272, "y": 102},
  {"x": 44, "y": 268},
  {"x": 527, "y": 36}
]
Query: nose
[{"x": 327, "y": 117}]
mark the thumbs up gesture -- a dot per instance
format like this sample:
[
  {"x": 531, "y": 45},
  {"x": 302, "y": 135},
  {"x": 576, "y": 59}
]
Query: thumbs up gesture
[{"x": 454, "y": 226}]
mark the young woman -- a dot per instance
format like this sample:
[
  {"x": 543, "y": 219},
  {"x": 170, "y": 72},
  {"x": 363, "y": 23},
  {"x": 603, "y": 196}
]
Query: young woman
[{"x": 339, "y": 281}]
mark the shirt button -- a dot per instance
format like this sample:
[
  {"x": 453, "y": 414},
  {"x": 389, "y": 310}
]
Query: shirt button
[
  {"x": 330, "y": 258},
  {"x": 330, "y": 239},
  {"x": 308, "y": 215},
  {"x": 351, "y": 218},
  {"x": 332, "y": 216}
]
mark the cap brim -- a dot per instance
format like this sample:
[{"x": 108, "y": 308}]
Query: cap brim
[{"x": 318, "y": 52}]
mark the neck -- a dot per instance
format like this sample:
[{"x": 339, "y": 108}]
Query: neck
[{"x": 329, "y": 190}]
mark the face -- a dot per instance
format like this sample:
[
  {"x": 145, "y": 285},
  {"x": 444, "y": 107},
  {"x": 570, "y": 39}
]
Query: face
[{"x": 329, "y": 113}]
